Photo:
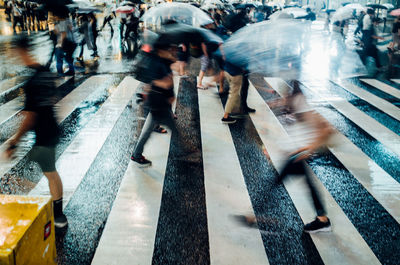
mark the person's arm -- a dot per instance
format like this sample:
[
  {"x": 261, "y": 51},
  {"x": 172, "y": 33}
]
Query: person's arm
[
  {"x": 204, "y": 48},
  {"x": 323, "y": 129},
  {"x": 27, "y": 124},
  {"x": 166, "y": 82}
]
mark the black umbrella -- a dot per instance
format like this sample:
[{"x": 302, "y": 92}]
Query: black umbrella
[
  {"x": 180, "y": 33},
  {"x": 244, "y": 6},
  {"x": 377, "y": 6}
]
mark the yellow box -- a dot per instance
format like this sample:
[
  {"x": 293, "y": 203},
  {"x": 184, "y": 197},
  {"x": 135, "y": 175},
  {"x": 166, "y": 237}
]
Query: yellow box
[{"x": 27, "y": 233}]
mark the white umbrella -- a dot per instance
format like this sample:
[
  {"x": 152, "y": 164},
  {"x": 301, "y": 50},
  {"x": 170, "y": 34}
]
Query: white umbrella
[
  {"x": 356, "y": 6},
  {"x": 295, "y": 11},
  {"x": 343, "y": 13},
  {"x": 179, "y": 12},
  {"x": 280, "y": 15}
]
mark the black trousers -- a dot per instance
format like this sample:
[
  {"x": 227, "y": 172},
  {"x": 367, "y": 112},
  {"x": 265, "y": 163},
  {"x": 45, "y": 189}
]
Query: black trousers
[
  {"x": 299, "y": 168},
  {"x": 244, "y": 92},
  {"x": 372, "y": 51}
]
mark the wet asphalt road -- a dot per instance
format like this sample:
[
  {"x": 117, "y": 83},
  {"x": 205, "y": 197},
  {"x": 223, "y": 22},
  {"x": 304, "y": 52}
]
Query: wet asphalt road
[{"x": 182, "y": 236}]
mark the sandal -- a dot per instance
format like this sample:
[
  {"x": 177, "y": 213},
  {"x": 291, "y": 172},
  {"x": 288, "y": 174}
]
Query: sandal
[
  {"x": 160, "y": 129},
  {"x": 201, "y": 87}
]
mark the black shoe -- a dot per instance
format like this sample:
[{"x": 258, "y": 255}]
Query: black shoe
[
  {"x": 317, "y": 226},
  {"x": 249, "y": 110},
  {"x": 238, "y": 115},
  {"x": 141, "y": 161},
  {"x": 70, "y": 73},
  {"x": 60, "y": 221},
  {"x": 228, "y": 120}
]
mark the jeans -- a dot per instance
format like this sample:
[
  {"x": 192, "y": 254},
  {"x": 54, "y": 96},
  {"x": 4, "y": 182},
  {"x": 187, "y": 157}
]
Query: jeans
[
  {"x": 60, "y": 55},
  {"x": 153, "y": 119}
]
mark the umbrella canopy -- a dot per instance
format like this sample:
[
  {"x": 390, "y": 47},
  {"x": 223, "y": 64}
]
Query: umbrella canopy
[
  {"x": 295, "y": 11},
  {"x": 179, "y": 12},
  {"x": 357, "y": 7},
  {"x": 247, "y": 5},
  {"x": 180, "y": 33},
  {"x": 127, "y": 3},
  {"x": 125, "y": 9},
  {"x": 88, "y": 10},
  {"x": 289, "y": 49},
  {"x": 395, "y": 12},
  {"x": 212, "y": 2},
  {"x": 280, "y": 15},
  {"x": 343, "y": 13},
  {"x": 388, "y": 6},
  {"x": 377, "y": 6}
]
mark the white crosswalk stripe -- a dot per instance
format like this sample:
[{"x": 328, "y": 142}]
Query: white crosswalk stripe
[
  {"x": 378, "y": 102},
  {"x": 135, "y": 213},
  {"x": 384, "y": 87},
  {"x": 230, "y": 243}
]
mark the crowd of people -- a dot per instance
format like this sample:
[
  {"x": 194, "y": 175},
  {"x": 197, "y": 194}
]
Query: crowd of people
[{"x": 63, "y": 26}]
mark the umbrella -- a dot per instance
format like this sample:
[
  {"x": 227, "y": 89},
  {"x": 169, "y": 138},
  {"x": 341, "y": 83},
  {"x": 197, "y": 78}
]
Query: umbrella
[
  {"x": 283, "y": 48},
  {"x": 212, "y": 2},
  {"x": 180, "y": 33},
  {"x": 388, "y": 6},
  {"x": 125, "y": 9},
  {"x": 377, "y": 6},
  {"x": 88, "y": 10},
  {"x": 127, "y": 3},
  {"x": 395, "y": 12},
  {"x": 280, "y": 15},
  {"x": 179, "y": 12},
  {"x": 244, "y": 6},
  {"x": 295, "y": 11},
  {"x": 343, "y": 13},
  {"x": 357, "y": 7}
]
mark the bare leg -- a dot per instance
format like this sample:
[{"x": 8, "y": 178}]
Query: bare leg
[{"x": 55, "y": 185}]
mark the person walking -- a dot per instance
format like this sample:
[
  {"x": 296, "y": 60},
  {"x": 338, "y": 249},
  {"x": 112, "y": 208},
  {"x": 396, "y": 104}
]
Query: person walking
[
  {"x": 159, "y": 99},
  {"x": 66, "y": 45},
  {"x": 369, "y": 38},
  {"x": 39, "y": 116}
]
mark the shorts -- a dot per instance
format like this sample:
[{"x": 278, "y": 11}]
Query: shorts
[{"x": 45, "y": 156}]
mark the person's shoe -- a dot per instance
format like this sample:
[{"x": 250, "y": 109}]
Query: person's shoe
[
  {"x": 249, "y": 110},
  {"x": 141, "y": 161},
  {"x": 228, "y": 120},
  {"x": 60, "y": 221},
  {"x": 317, "y": 226},
  {"x": 238, "y": 115},
  {"x": 70, "y": 73}
]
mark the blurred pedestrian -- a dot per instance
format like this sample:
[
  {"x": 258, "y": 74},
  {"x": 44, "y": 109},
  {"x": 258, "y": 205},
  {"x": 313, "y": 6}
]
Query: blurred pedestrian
[
  {"x": 394, "y": 44},
  {"x": 370, "y": 37},
  {"x": 309, "y": 135},
  {"x": 159, "y": 99},
  {"x": 39, "y": 116},
  {"x": 17, "y": 18},
  {"x": 66, "y": 42}
]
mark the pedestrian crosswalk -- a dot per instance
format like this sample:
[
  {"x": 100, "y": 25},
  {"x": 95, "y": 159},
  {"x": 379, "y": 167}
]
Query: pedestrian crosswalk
[{"x": 235, "y": 181}]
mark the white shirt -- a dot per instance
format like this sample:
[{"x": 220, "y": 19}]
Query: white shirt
[{"x": 367, "y": 22}]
